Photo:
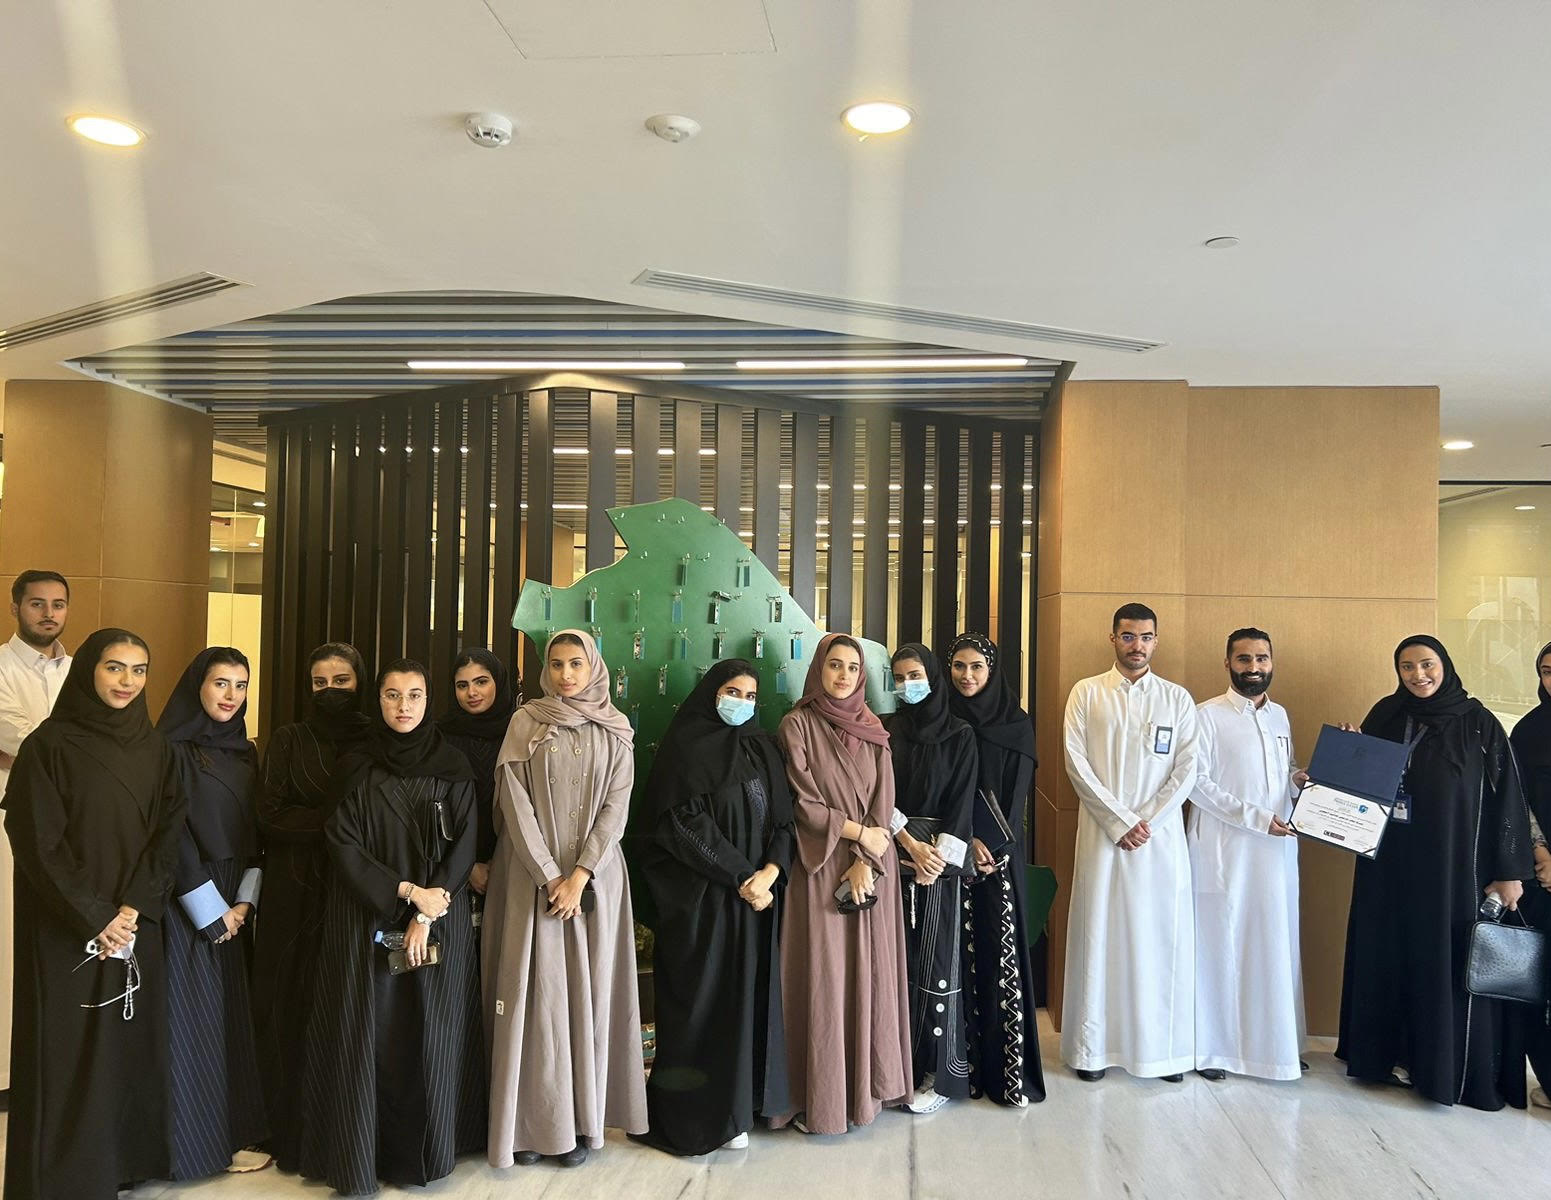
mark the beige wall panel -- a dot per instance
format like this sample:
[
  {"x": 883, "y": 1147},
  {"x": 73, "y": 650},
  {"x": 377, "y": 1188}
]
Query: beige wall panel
[
  {"x": 1312, "y": 491},
  {"x": 1062, "y": 863},
  {"x": 85, "y": 608},
  {"x": 157, "y": 470},
  {"x": 1049, "y": 698},
  {"x": 1049, "y": 531},
  {"x": 173, "y": 618},
  {"x": 1122, "y": 475},
  {"x": 54, "y": 480}
]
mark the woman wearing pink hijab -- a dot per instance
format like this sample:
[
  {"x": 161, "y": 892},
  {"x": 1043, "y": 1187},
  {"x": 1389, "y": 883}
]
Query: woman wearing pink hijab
[{"x": 843, "y": 946}]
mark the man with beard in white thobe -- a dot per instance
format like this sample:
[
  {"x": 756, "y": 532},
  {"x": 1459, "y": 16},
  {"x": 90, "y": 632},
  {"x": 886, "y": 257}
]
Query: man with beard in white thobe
[
  {"x": 1130, "y": 940},
  {"x": 1244, "y": 861}
]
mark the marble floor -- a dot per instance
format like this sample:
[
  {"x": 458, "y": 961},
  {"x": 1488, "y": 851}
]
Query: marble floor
[{"x": 1323, "y": 1136}]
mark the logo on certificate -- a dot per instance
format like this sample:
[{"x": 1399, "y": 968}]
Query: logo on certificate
[{"x": 1162, "y": 739}]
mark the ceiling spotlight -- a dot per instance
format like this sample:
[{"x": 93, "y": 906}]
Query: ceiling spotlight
[
  {"x": 1459, "y": 444},
  {"x": 1221, "y": 243},
  {"x": 877, "y": 116},
  {"x": 109, "y": 131},
  {"x": 534, "y": 364},
  {"x": 488, "y": 129},
  {"x": 673, "y": 127},
  {"x": 1523, "y": 508}
]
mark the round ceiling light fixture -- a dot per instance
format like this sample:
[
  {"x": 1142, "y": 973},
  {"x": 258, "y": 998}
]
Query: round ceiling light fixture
[
  {"x": 106, "y": 131},
  {"x": 488, "y": 129},
  {"x": 1227, "y": 242},
  {"x": 673, "y": 127},
  {"x": 877, "y": 116},
  {"x": 1459, "y": 444}
]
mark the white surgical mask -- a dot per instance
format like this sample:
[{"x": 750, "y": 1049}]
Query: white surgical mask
[
  {"x": 734, "y": 711},
  {"x": 914, "y": 691}
]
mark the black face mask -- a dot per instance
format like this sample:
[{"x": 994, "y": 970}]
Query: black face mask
[
  {"x": 334, "y": 701},
  {"x": 1250, "y": 687}
]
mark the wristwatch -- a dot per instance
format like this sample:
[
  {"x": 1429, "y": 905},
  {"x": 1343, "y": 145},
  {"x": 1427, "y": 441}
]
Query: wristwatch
[{"x": 422, "y": 919}]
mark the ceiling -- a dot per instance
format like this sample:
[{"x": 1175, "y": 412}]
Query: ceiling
[
  {"x": 358, "y": 347},
  {"x": 1382, "y": 163}
]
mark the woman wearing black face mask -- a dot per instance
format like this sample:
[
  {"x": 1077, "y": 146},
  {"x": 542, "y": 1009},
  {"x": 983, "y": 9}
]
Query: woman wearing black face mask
[
  {"x": 297, "y": 795},
  {"x": 721, "y": 823}
]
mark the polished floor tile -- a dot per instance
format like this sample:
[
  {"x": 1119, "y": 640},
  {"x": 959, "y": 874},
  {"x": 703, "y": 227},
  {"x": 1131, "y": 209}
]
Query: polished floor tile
[{"x": 1322, "y": 1136}]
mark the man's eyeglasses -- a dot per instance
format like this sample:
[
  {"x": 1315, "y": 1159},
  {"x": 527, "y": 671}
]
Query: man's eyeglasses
[{"x": 1130, "y": 639}]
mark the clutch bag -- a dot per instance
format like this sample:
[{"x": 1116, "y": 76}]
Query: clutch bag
[
  {"x": 1507, "y": 962},
  {"x": 845, "y": 901}
]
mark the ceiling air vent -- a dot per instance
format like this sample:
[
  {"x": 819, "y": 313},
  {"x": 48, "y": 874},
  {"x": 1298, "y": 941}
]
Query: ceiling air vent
[
  {"x": 730, "y": 289},
  {"x": 99, "y": 312}
]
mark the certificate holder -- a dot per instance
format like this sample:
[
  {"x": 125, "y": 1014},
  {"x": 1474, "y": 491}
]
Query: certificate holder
[{"x": 1353, "y": 779}]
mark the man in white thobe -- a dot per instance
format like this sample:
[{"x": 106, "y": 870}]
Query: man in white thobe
[
  {"x": 1130, "y": 940},
  {"x": 33, "y": 665},
  {"x": 1244, "y": 860}
]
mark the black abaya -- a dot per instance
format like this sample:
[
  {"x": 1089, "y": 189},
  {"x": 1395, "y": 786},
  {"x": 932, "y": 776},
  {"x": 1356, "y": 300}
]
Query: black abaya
[
  {"x": 1403, "y": 1001},
  {"x": 395, "y": 1081}
]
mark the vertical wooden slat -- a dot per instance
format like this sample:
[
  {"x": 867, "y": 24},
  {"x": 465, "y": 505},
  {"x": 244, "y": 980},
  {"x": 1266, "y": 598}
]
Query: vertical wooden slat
[
  {"x": 476, "y": 525},
  {"x": 445, "y": 633},
  {"x": 912, "y": 532},
  {"x": 977, "y": 547},
  {"x": 875, "y": 541},
  {"x": 945, "y": 538},
  {"x": 363, "y": 531},
  {"x": 1031, "y": 634},
  {"x": 419, "y": 500},
  {"x": 1009, "y": 572},
  {"x": 842, "y": 513},
  {"x": 276, "y": 657},
  {"x": 729, "y": 464},
  {"x": 805, "y": 513},
  {"x": 767, "y": 487},
  {"x": 645, "y": 441},
  {"x": 508, "y": 524},
  {"x": 686, "y": 450},
  {"x": 341, "y": 501},
  {"x": 602, "y": 436},
  {"x": 540, "y": 542},
  {"x": 314, "y": 611},
  {"x": 390, "y": 604}
]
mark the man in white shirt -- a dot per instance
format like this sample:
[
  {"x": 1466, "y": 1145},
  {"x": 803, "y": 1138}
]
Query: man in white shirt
[
  {"x": 1130, "y": 940},
  {"x": 33, "y": 665},
  {"x": 1244, "y": 861}
]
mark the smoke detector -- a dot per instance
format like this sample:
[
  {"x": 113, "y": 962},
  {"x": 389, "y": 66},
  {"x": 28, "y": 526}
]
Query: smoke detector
[
  {"x": 672, "y": 127},
  {"x": 488, "y": 129}
]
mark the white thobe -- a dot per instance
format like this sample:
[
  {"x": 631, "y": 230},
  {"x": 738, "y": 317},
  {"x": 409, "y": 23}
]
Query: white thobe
[
  {"x": 1130, "y": 939},
  {"x": 1249, "y": 978},
  {"x": 29, "y": 684}
]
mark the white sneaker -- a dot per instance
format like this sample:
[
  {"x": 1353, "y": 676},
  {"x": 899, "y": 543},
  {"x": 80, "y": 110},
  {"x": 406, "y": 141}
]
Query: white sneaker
[
  {"x": 741, "y": 1142},
  {"x": 1539, "y": 1098},
  {"x": 927, "y": 1100}
]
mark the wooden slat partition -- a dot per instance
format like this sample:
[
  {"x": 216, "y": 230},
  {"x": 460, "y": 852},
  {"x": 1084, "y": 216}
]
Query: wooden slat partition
[
  {"x": 729, "y": 464},
  {"x": 842, "y": 513},
  {"x": 686, "y": 450},
  {"x": 875, "y": 546},
  {"x": 508, "y": 523},
  {"x": 912, "y": 530},
  {"x": 767, "y": 488},
  {"x": 1009, "y": 567},
  {"x": 476, "y": 525},
  {"x": 645, "y": 441},
  {"x": 977, "y": 549},
  {"x": 419, "y": 477},
  {"x": 945, "y": 538},
  {"x": 804, "y": 580},
  {"x": 602, "y": 434}
]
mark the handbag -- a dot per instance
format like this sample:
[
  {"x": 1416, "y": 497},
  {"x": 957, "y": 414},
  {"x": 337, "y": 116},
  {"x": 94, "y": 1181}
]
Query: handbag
[
  {"x": 846, "y": 902},
  {"x": 1507, "y": 962}
]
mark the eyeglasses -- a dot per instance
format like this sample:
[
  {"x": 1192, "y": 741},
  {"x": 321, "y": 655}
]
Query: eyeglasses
[
  {"x": 131, "y": 983},
  {"x": 1147, "y": 639}
]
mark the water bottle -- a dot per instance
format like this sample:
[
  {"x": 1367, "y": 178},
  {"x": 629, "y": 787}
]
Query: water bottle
[{"x": 1491, "y": 908}]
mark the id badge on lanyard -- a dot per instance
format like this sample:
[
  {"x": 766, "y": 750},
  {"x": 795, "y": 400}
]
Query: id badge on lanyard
[{"x": 1401, "y": 812}]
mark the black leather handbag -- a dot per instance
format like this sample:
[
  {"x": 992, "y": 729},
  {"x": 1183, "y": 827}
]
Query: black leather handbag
[{"x": 1507, "y": 962}]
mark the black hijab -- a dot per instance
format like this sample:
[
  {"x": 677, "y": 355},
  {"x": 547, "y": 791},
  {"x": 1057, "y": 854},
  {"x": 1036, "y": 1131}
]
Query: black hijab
[
  {"x": 923, "y": 765},
  {"x": 490, "y": 725},
  {"x": 1531, "y": 740},
  {"x": 700, "y": 753},
  {"x": 422, "y": 752},
  {"x": 929, "y": 721},
  {"x": 184, "y": 718},
  {"x": 1443, "y": 713},
  {"x": 338, "y": 715},
  {"x": 993, "y": 712}
]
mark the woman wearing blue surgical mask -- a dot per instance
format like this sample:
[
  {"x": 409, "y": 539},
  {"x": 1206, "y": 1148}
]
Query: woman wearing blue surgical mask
[
  {"x": 935, "y": 765},
  {"x": 721, "y": 825}
]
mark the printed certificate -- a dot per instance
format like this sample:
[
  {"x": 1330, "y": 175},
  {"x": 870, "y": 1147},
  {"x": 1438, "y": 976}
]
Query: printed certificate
[{"x": 1340, "y": 819}]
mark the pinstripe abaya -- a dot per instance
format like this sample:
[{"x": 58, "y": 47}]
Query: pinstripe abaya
[
  {"x": 395, "y": 1077},
  {"x": 561, "y": 1005}
]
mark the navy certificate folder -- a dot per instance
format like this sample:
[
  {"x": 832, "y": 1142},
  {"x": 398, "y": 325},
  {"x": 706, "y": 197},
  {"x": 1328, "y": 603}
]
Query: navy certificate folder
[{"x": 1356, "y": 763}]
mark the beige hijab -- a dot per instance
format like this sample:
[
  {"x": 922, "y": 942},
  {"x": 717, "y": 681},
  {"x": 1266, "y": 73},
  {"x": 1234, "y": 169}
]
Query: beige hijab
[{"x": 534, "y": 723}]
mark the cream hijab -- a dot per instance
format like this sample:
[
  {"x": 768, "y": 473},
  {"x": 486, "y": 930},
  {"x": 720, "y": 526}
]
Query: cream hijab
[{"x": 534, "y": 723}]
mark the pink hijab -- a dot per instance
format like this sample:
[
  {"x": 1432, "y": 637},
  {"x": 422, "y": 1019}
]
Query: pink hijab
[
  {"x": 535, "y": 721},
  {"x": 849, "y": 716}
]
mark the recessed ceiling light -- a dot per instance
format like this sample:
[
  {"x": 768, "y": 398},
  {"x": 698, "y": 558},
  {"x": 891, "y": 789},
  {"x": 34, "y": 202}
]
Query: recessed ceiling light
[
  {"x": 108, "y": 131},
  {"x": 534, "y": 364},
  {"x": 1459, "y": 444},
  {"x": 260, "y": 504},
  {"x": 1523, "y": 508},
  {"x": 877, "y": 116},
  {"x": 1221, "y": 243},
  {"x": 954, "y": 363}
]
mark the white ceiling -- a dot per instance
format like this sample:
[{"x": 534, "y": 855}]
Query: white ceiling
[{"x": 1384, "y": 164}]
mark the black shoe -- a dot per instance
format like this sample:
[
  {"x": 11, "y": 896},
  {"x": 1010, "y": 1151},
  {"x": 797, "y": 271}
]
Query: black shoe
[
  {"x": 574, "y": 1158},
  {"x": 1090, "y": 1076},
  {"x": 1213, "y": 1074},
  {"x": 1302, "y": 1066},
  {"x": 1173, "y": 1078},
  {"x": 526, "y": 1158}
]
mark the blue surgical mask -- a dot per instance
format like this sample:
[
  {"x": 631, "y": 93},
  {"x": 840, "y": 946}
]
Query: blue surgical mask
[
  {"x": 915, "y": 690},
  {"x": 734, "y": 711}
]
